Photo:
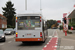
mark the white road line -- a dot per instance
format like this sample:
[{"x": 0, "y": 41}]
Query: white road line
[
  {"x": 56, "y": 33},
  {"x": 45, "y": 46},
  {"x": 50, "y": 36},
  {"x": 53, "y": 32},
  {"x": 50, "y": 40},
  {"x": 56, "y": 43},
  {"x": 55, "y": 36},
  {"x": 9, "y": 41},
  {"x": 2, "y": 43},
  {"x": 55, "y": 46},
  {"x": 47, "y": 43}
]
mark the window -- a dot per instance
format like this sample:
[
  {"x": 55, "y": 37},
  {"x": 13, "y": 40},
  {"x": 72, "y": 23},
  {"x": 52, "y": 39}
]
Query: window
[{"x": 28, "y": 22}]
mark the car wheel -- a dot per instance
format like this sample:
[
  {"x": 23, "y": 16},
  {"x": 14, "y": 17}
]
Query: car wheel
[
  {"x": 11, "y": 33},
  {"x": 4, "y": 40}
]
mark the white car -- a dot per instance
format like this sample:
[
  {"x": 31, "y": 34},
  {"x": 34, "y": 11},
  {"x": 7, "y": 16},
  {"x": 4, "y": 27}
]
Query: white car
[{"x": 9, "y": 31}]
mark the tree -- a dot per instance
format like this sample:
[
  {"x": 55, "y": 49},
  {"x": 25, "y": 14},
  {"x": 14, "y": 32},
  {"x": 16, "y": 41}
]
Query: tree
[
  {"x": 9, "y": 13},
  {"x": 54, "y": 25},
  {"x": 50, "y": 23}
]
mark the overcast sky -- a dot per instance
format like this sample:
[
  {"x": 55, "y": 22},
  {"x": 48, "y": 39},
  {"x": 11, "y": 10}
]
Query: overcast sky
[{"x": 51, "y": 9}]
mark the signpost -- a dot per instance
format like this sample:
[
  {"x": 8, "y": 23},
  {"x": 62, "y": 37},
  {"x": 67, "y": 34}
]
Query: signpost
[
  {"x": 65, "y": 29},
  {"x": 65, "y": 23}
]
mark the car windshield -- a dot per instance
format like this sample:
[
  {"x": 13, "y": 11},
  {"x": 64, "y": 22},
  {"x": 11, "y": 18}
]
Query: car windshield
[
  {"x": 9, "y": 29},
  {"x": 1, "y": 32}
]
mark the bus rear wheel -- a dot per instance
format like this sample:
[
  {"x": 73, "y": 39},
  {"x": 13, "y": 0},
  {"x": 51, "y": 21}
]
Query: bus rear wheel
[
  {"x": 23, "y": 42},
  {"x": 43, "y": 41}
]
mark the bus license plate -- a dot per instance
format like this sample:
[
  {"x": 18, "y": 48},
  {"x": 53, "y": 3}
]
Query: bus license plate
[{"x": 28, "y": 34}]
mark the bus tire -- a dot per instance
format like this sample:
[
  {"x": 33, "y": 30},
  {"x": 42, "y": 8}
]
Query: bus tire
[
  {"x": 23, "y": 42},
  {"x": 43, "y": 41}
]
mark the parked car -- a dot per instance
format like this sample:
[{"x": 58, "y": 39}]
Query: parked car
[
  {"x": 9, "y": 31},
  {"x": 2, "y": 36}
]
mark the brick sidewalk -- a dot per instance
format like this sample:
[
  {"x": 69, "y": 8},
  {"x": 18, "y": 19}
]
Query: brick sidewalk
[{"x": 66, "y": 42}]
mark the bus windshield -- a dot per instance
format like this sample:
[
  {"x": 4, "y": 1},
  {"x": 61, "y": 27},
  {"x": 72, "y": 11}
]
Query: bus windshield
[{"x": 28, "y": 22}]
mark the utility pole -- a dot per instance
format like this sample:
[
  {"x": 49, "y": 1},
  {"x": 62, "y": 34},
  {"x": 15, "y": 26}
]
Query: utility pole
[
  {"x": 40, "y": 6},
  {"x": 25, "y": 4}
]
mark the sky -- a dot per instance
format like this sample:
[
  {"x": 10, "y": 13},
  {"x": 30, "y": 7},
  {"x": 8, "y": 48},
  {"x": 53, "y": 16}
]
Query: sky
[{"x": 51, "y": 9}]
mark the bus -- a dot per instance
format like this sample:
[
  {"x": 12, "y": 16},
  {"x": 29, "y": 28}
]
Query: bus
[{"x": 30, "y": 27}]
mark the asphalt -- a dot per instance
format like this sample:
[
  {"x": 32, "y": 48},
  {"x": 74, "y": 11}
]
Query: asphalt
[
  {"x": 66, "y": 42},
  {"x": 12, "y": 45}
]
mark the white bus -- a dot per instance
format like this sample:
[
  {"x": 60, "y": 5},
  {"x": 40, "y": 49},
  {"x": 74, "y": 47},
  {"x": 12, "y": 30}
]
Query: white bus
[{"x": 30, "y": 27}]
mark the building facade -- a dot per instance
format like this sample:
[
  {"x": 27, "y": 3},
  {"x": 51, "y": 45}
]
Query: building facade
[{"x": 3, "y": 21}]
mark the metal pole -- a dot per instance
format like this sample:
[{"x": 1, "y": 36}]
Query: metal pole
[
  {"x": 25, "y": 4},
  {"x": 40, "y": 5},
  {"x": 9, "y": 0}
]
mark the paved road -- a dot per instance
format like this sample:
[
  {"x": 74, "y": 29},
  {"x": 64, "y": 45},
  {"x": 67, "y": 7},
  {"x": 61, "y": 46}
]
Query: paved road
[{"x": 10, "y": 44}]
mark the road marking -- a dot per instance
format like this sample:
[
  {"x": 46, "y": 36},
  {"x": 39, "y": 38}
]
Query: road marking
[
  {"x": 56, "y": 43},
  {"x": 50, "y": 36},
  {"x": 53, "y": 32},
  {"x": 55, "y": 36},
  {"x": 47, "y": 43},
  {"x": 2, "y": 43},
  {"x": 52, "y": 42},
  {"x": 45, "y": 46},
  {"x": 9, "y": 41},
  {"x": 55, "y": 46}
]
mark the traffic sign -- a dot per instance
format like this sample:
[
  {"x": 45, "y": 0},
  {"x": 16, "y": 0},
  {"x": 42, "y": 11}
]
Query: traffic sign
[{"x": 65, "y": 27}]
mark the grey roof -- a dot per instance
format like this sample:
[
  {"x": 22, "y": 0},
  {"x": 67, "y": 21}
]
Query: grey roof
[{"x": 72, "y": 14}]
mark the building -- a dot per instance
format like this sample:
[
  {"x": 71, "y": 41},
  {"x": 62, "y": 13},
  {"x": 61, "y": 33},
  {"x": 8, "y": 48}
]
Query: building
[
  {"x": 3, "y": 21},
  {"x": 71, "y": 18}
]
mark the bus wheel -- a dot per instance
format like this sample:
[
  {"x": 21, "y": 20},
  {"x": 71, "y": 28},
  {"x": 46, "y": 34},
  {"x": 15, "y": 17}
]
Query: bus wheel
[
  {"x": 43, "y": 41},
  {"x": 23, "y": 42}
]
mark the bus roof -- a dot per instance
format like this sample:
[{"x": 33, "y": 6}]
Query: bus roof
[{"x": 30, "y": 14}]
